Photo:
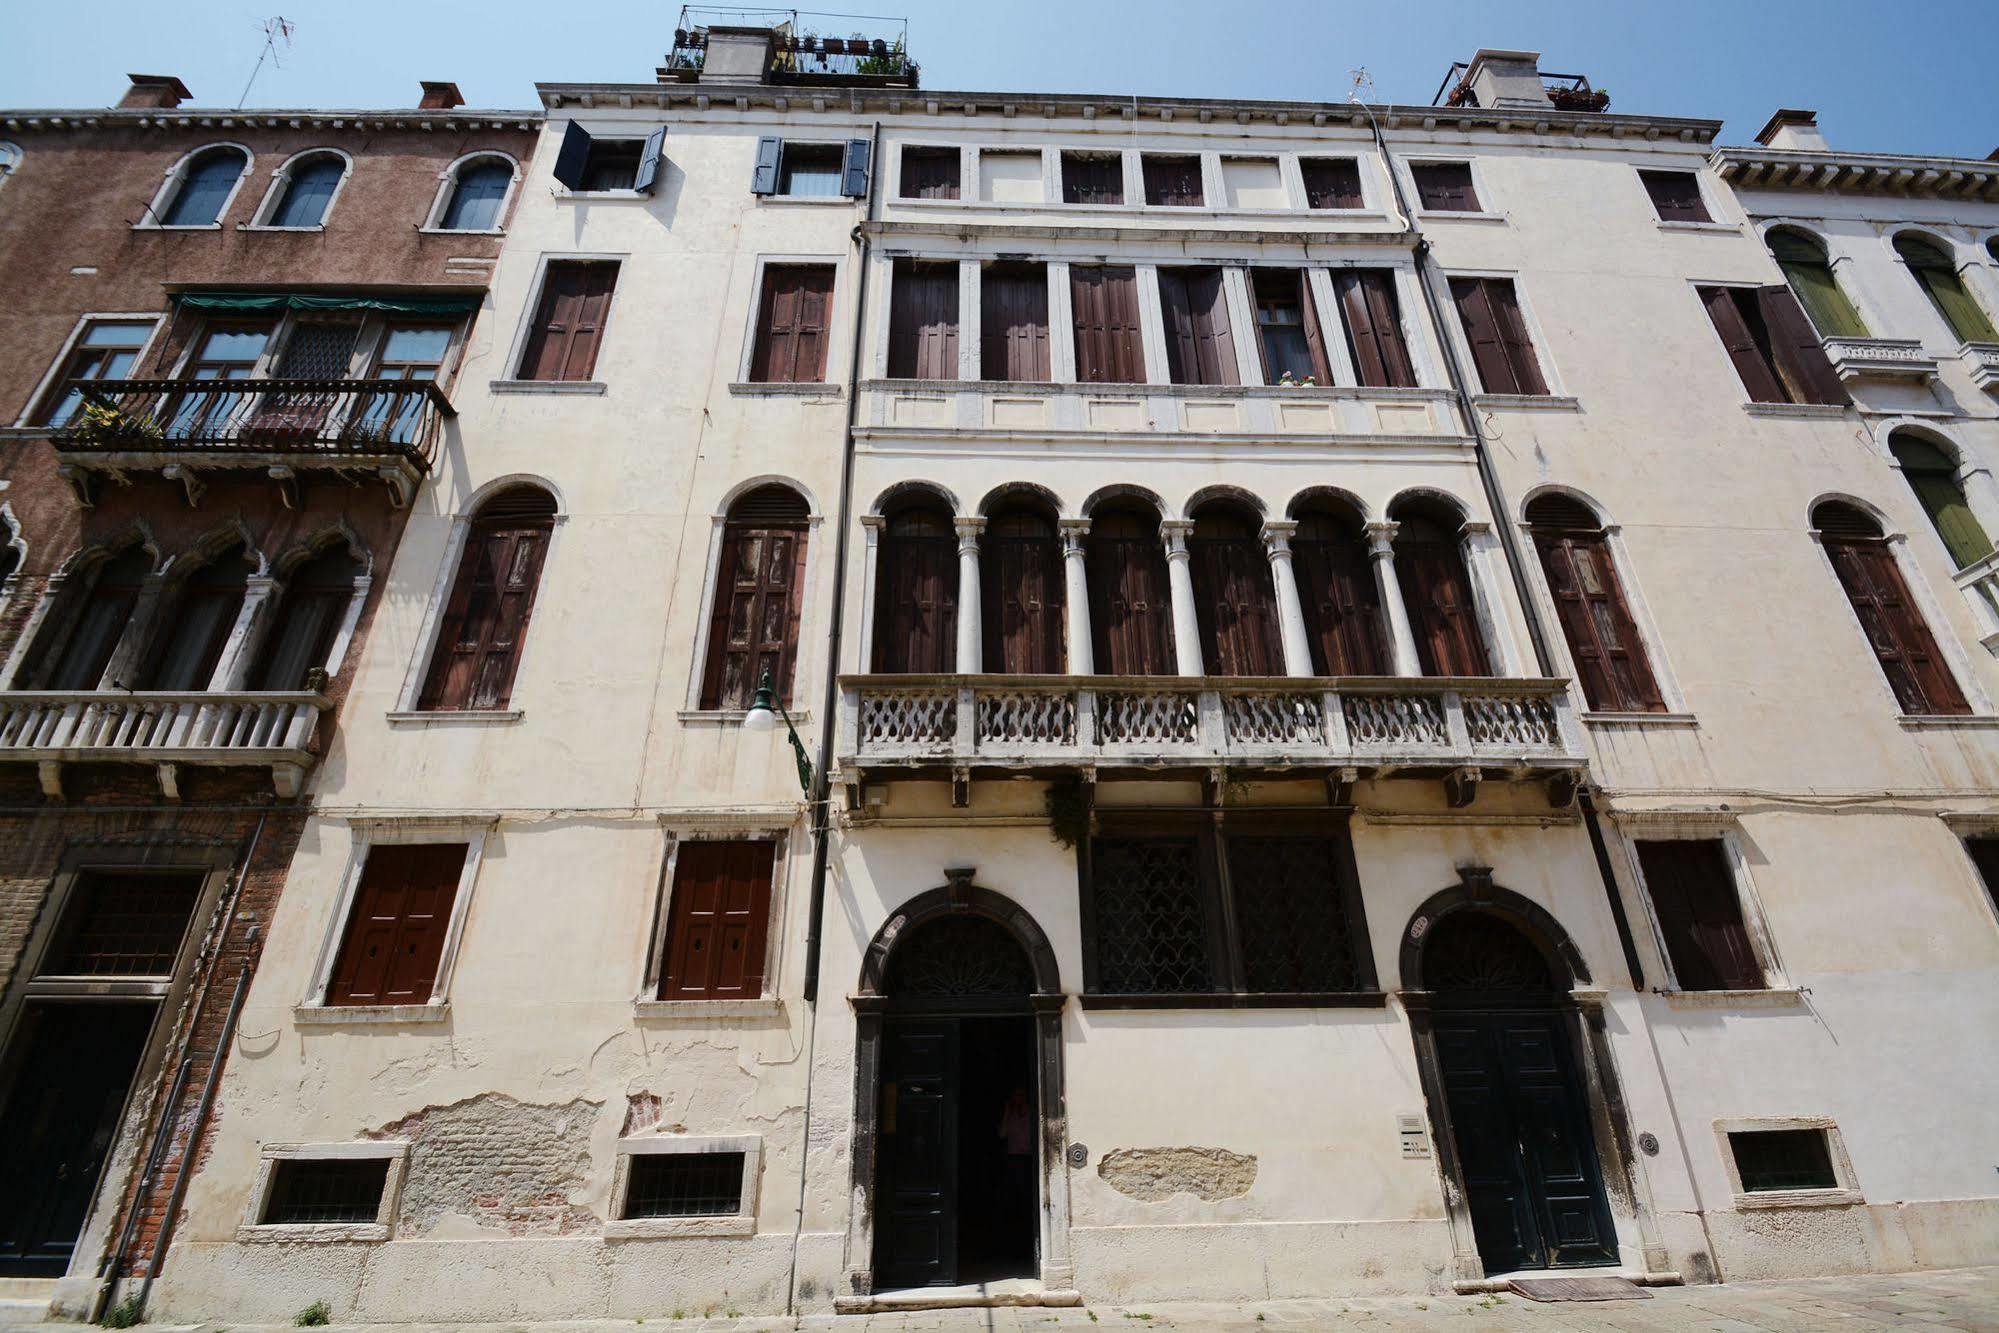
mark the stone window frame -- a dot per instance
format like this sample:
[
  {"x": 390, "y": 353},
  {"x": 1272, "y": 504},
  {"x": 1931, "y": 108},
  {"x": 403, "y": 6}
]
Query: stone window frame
[
  {"x": 176, "y": 176},
  {"x": 1480, "y": 188},
  {"x": 49, "y": 381},
  {"x": 1557, "y": 397},
  {"x": 832, "y": 382},
  {"x": 743, "y": 1222},
  {"x": 1721, "y": 212},
  {"x": 692, "y": 711},
  {"x": 281, "y": 177},
  {"x": 253, "y": 1230},
  {"x": 1699, "y": 826},
  {"x": 473, "y": 829},
  {"x": 775, "y": 825},
  {"x": 1846, "y": 1192},
  {"x": 524, "y": 326},
  {"x": 447, "y": 186}
]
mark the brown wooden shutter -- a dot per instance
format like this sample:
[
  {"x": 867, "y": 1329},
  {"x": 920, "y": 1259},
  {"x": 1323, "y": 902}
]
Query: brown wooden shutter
[
  {"x": 1603, "y": 639},
  {"x": 1797, "y": 350},
  {"x": 1022, "y": 600},
  {"x": 395, "y": 933},
  {"x": 1758, "y": 376},
  {"x": 930, "y": 173},
  {"x": 486, "y": 619},
  {"x": 1331, "y": 182},
  {"x": 1236, "y": 606},
  {"x": 1513, "y": 334},
  {"x": 753, "y": 628},
  {"x": 923, "y": 322},
  {"x": 569, "y": 322},
  {"x": 1676, "y": 195},
  {"x": 1700, "y": 914},
  {"x": 1315, "y": 337},
  {"x": 1342, "y": 605},
  {"x": 1199, "y": 348},
  {"x": 718, "y": 927},
  {"x": 1445, "y": 187},
  {"x": 1374, "y": 327},
  {"x": 791, "y": 325},
  {"x": 1436, "y": 588},
  {"x": 1131, "y": 608},
  {"x": 916, "y": 599},
  {"x": 1105, "y": 303},
  {"x": 1092, "y": 178},
  {"x": 1172, "y": 182},
  {"x": 1481, "y": 325},
  {"x": 1902, "y": 643},
  {"x": 1013, "y": 315}
]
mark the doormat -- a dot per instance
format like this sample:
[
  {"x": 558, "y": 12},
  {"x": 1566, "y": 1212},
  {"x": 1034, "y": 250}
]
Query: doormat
[{"x": 1579, "y": 1289}]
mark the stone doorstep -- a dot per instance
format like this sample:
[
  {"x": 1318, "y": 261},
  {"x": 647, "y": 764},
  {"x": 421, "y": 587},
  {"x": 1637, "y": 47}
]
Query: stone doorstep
[{"x": 982, "y": 1296}]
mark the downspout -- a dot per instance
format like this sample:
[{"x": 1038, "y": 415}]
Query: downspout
[{"x": 1495, "y": 498}]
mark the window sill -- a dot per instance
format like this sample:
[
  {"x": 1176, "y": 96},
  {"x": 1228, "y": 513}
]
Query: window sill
[
  {"x": 1799, "y": 1199},
  {"x": 1774, "y": 997},
  {"x": 1727, "y": 228},
  {"x": 312, "y": 1233},
  {"x": 1827, "y": 411},
  {"x": 1663, "y": 720},
  {"x": 265, "y": 226},
  {"x": 703, "y": 1011},
  {"x": 462, "y": 231},
  {"x": 810, "y": 200},
  {"x": 369, "y": 1015},
  {"x": 170, "y": 226},
  {"x": 1457, "y": 215},
  {"x": 813, "y": 389},
  {"x": 468, "y": 718},
  {"x": 1950, "y": 722},
  {"x": 600, "y": 196},
  {"x": 731, "y": 717},
  {"x": 1364, "y": 999},
  {"x": 672, "y": 1228},
  {"x": 592, "y": 388},
  {"x": 1528, "y": 402},
  {"x": 1140, "y": 210}
]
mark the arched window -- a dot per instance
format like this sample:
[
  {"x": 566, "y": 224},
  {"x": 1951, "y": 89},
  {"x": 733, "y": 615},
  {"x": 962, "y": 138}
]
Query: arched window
[
  {"x": 1589, "y": 598},
  {"x": 198, "y": 627},
  {"x": 10, "y": 161},
  {"x": 916, "y": 591},
  {"x": 759, "y": 585},
  {"x": 1235, "y": 602},
  {"x": 1131, "y": 605},
  {"x": 315, "y": 604},
  {"x": 1873, "y": 583},
  {"x": 1436, "y": 589},
  {"x": 1940, "y": 281},
  {"x": 309, "y": 186},
  {"x": 476, "y": 195},
  {"x": 1336, "y": 587},
  {"x": 485, "y": 622},
  {"x": 102, "y": 612},
  {"x": 1932, "y": 475},
  {"x": 1021, "y": 594},
  {"x": 204, "y": 188},
  {"x": 1807, "y": 269}
]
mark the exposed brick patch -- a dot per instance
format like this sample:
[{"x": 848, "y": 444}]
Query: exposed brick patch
[
  {"x": 642, "y": 1111},
  {"x": 1152, "y": 1175},
  {"x": 505, "y": 1164}
]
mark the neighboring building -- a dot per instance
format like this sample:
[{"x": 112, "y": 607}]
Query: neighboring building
[
  {"x": 190, "y": 574},
  {"x": 1374, "y": 728}
]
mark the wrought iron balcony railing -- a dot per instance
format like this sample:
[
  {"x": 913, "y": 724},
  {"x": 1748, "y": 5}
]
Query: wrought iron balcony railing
[
  {"x": 339, "y": 421},
  {"x": 166, "y": 728}
]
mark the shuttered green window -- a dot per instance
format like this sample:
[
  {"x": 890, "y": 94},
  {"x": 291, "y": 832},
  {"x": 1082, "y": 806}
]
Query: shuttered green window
[
  {"x": 1933, "y": 478},
  {"x": 1810, "y": 275},
  {"x": 1939, "y": 278}
]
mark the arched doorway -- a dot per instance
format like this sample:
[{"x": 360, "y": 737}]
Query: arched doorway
[
  {"x": 1509, "y": 1079},
  {"x": 958, "y": 1126}
]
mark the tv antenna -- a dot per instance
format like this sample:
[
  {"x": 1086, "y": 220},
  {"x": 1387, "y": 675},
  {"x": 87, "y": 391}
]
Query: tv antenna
[
  {"x": 278, "y": 29},
  {"x": 1363, "y": 85}
]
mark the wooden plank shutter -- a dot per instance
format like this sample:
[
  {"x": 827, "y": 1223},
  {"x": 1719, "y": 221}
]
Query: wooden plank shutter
[
  {"x": 573, "y": 158},
  {"x": 916, "y": 605},
  {"x": 1902, "y": 643},
  {"x": 569, "y": 323},
  {"x": 791, "y": 327},
  {"x": 1676, "y": 196},
  {"x": 1374, "y": 327},
  {"x": 1513, "y": 334},
  {"x": 1172, "y": 182},
  {"x": 1445, "y": 187},
  {"x": 1799, "y": 355},
  {"x": 1022, "y": 600},
  {"x": 1105, "y": 301},
  {"x": 1315, "y": 338},
  {"x": 923, "y": 322},
  {"x": 1013, "y": 311},
  {"x": 1236, "y": 606},
  {"x": 1437, "y": 591},
  {"x": 1758, "y": 376},
  {"x": 718, "y": 927},
  {"x": 1331, "y": 182},
  {"x": 647, "y": 176},
  {"x": 1176, "y": 310},
  {"x": 1343, "y": 620},
  {"x": 930, "y": 173},
  {"x": 485, "y": 621},
  {"x": 764, "y": 179},
  {"x": 1481, "y": 325},
  {"x": 1700, "y": 914},
  {"x": 1131, "y": 609},
  {"x": 854, "y": 168},
  {"x": 1603, "y": 638},
  {"x": 1199, "y": 348},
  {"x": 753, "y": 628},
  {"x": 395, "y": 933}
]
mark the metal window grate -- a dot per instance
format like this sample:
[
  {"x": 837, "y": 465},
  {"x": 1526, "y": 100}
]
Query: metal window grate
[
  {"x": 685, "y": 1184},
  {"x": 1293, "y": 923},
  {"x": 304, "y": 1190},
  {"x": 1152, "y": 934},
  {"x": 1783, "y": 1159},
  {"x": 124, "y": 924}
]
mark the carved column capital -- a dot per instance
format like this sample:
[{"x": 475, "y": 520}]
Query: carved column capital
[
  {"x": 1173, "y": 531},
  {"x": 1277, "y": 536},
  {"x": 1381, "y": 539}
]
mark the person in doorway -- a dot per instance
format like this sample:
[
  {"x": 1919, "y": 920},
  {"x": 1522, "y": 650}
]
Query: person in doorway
[{"x": 1016, "y": 1131}]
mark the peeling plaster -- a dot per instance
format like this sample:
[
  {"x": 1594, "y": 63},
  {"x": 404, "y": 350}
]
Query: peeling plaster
[
  {"x": 1153, "y": 1175},
  {"x": 496, "y": 1163}
]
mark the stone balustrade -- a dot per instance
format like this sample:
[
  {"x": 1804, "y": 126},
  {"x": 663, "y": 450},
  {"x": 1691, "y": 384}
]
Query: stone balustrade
[
  {"x": 1880, "y": 358},
  {"x": 163, "y": 728}
]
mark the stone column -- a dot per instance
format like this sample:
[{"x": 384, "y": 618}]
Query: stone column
[
  {"x": 971, "y": 653},
  {"x": 232, "y": 669},
  {"x": 1402, "y": 639},
  {"x": 1290, "y": 610},
  {"x": 1082, "y": 658},
  {"x": 1180, "y": 578},
  {"x": 1475, "y": 543},
  {"x": 872, "y": 525}
]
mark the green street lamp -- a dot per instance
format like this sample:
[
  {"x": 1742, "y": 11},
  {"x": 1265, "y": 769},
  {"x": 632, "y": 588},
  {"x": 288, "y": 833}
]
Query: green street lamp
[{"x": 765, "y": 709}]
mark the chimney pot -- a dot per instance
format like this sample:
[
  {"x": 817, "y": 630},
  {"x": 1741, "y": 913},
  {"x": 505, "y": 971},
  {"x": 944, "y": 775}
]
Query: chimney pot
[
  {"x": 154, "y": 92},
  {"x": 738, "y": 55},
  {"x": 439, "y": 96},
  {"x": 1792, "y": 128}
]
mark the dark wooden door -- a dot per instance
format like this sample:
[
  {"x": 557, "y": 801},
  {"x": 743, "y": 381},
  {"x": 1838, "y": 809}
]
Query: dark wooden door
[
  {"x": 916, "y": 1227},
  {"x": 1021, "y": 567},
  {"x": 719, "y": 927},
  {"x": 916, "y": 589},
  {"x": 1436, "y": 589},
  {"x": 1235, "y": 604},
  {"x": 1341, "y": 602},
  {"x": 1520, "y": 1123},
  {"x": 395, "y": 936},
  {"x": 60, "y": 1124},
  {"x": 1131, "y": 606}
]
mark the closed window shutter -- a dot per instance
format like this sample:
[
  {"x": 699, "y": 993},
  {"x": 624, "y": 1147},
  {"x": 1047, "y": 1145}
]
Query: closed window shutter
[
  {"x": 569, "y": 323},
  {"x": 718, "y": 927},
  {"x": 485, "y": 622},
  {"x": 1331, "y": 182},
  {"x": 1694, "y": 895},
  {"x": 1315, "y": 338},
  {"x": 1939, "y": 279},
  {"x": 1172, "y": 182},
  {"x": 1013, "y": 313},
  {"x": 1342, "y": 606},
  {"x": 1758, "y": 376},
  {"x": 854, "y": 168},
  {"x": 1513, "y": 334},
  {"x": 1902, "y": 643},
  {"x": 395, "y": 935},
  {"x": 791, "y": 331},
  {"x": 1797, "y": 350},
  {"x": 1676, "y": 195},
  {"x": 1445, "y": 187},
  {"x": 1819, "y": 292},
  {"x": 1374, "y": 327},
  {"x": 1603, "y": 639},
  {"x": 1131, "y": 612},
  {"x": 1199, "y": 347},
  {"x": 1933, "y": 477},
  {"x": 764, "y": 179},
  {"x": 754, "y": 626},
  {"x": 916, "y": 604},
  {"x": 1020, "y": 566},
  {"x": 1437, "y": 591},
  {"x": 1481, "y": 325},
  {"x": 1235, "y": 603},
  {"x": 1105, "y": 302},
  {"x": 923, "y": 322},
  {"x": 930, "y": 173}
]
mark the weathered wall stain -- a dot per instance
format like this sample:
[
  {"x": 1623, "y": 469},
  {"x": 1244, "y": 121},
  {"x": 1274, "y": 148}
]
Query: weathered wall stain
[
  {"x": 501, "y": 1163},
  {"x": 1155, "y": 1174}
]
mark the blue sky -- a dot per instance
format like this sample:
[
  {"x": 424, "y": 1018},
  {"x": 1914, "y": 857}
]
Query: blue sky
[{"x": 1876, "y": 72}]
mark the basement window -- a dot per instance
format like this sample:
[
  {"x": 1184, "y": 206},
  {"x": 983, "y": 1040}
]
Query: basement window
[
  {"x": 683, "y": 1185},
  {"x": 1783, "y": 1159},
  {"x": 304, "y": 1191},
  {"x": 687, "y": 1184}
]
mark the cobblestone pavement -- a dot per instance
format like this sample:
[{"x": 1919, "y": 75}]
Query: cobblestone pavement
[{"x": 1966, "y": 1298}]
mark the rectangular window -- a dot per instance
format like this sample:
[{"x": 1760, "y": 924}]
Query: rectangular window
[
  {"x": 923, "y": 321},
  {"x": 1783, "y": 1159},
  {"x": 1013, "y": 323},
  {"x": 1104, "y": 301},
  {"x": 1253, "y": 182},
  {"x": 792, "y": 324},
  {"x": 1149, "y": 903},
  {"x": 107, "y": 350},
  {"x": 1290, "y": 916},
  {"x": 1287, "y": 326},
  {"x": 1775, "y": 350},
  {"x": 123, "y": 923},
  {"x": 1699, "y": 909},
  {"x": 1092, "y": 178},
  {"x": 1373, "y": 315},
  {"x": 1010, "y": 178},
  {"x": 1676, "y": 195},
  {"x": 718, "y": 922},
  {"x": 930, "y": 173},
  {"x": 395, "y": 932},
  {"x": 1489, "y": 309},
  {"x": 612, "y": 164},
  {"x": 684, "y": 1184},
  {"x": 1199, "y": 348},
  {"x": 1173, "y": 182},
  {"x": 1331, "y": 182},
  {"x": 308, "y": 1191},
  {"x": 810, "y": 169},
  {"x": 568, "y": 326},
  {"x": 1445, "y": 187},
  {"x": 1984, "y": 851},
  {"x": 227, "y": 351}
]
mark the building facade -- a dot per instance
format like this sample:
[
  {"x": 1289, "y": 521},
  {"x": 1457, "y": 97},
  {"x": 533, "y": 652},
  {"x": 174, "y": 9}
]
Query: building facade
[{"x": 1363, "y": 710}]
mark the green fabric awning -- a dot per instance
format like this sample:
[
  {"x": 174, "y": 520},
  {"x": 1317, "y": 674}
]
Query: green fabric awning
[{"x": 259, "y": 302}]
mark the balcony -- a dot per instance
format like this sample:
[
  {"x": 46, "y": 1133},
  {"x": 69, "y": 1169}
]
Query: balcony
[
  {"x": 1983, "y": 361},
  {"x": 1880, "y": 358},
  {"x": 386, "y": 429},
  {"x": 212, "y": 729},
  {"x": 1457, "y": 728},
  {"x": 1255, "y": 411}
]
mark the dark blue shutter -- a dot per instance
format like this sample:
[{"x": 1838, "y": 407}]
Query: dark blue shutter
[
  {"x": 854, "y": 179},
  {"x": 765, "y": 181},
  {"x": 649, "y": 161},
  {"x": 574, "y": 157}
]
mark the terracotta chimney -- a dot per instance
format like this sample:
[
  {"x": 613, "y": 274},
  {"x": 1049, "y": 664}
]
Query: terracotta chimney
[
  {"x": 157, "y": 91},
  {"x": 440, "y": 96}
]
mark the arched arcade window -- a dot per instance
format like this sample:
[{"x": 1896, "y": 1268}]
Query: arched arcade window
[
  {"x": 204, "y": 188},
  {"x": 1932, "y": 475},
  {"x": 1131, "y": 603},
  {"x": 1937, "y": 275},
  {"x": 1872, "y": 581},
  {"x": 916, "y": 590},
  {"x": 1806, "y": 268},
  {"x": 309, "y": 186},
  {"x": 197, "y": 628},
  {"x": 1022, "y": 593},
  {"x": 316, "y": 598},
  {"x": 1336, "y": 587},
  {"x": 1436, "y": 589},
  {"x": 759, "y": 587},
  {"x": 1235, "y": 601},
  {"x": 88, "y": 631}
]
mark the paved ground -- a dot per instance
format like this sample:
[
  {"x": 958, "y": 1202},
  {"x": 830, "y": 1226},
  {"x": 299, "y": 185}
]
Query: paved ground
[{"x": 1959, "y": 1299}]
